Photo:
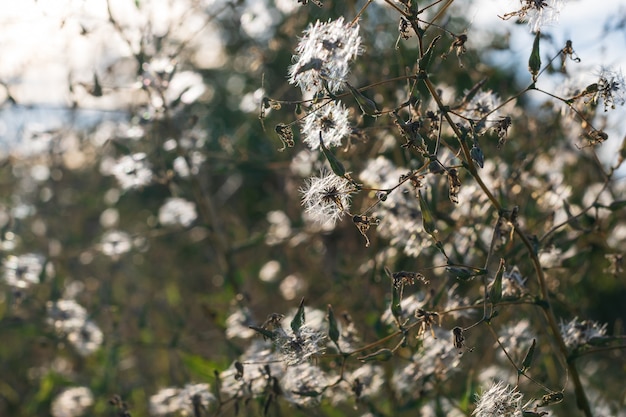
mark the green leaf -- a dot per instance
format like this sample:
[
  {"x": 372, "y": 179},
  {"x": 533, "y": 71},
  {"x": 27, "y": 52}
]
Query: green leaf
[
  {"x": 298, "y": 319},
  {"x": 366, "y": 105},
  {"x": 534, "y": 62},
  {"x": 333, "y": 329},
  {"x": 381, "y": 355},
  {"x": 335, "y": 164},
  {"x": 424, "y": 61},
  {"x": 428, "y": 221},
  {"x": 495, "y": 292}
]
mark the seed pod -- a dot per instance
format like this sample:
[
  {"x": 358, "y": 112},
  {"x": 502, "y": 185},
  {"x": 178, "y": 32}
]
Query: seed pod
[
  {"x": 428, "y": 221},
  {"x": 534, "y": 62},
  {"x": 528, "y": 359},
  {"x": 424, "y": 61},
  {"x": 333, "y": 330},
  {"x": 366, "y": 105},
  {"x": 335, "y": 164},
  {"x": 495, "y": 292}
]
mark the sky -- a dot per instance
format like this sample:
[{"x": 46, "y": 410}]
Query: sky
[{"x": 582, "y": 22}]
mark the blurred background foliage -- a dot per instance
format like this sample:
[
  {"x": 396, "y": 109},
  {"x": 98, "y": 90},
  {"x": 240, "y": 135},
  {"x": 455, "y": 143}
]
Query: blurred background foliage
[{"x": 185, "y": 80}]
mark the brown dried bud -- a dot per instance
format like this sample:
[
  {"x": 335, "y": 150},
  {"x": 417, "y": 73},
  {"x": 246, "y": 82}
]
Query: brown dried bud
[
  {"x": 407, "y": 278},
  {"x": 454, "y": 185},
  {"x": 458, "y": 339},
  {"x": 286, "y": 136}
]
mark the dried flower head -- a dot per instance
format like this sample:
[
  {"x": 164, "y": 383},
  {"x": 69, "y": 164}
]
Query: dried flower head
[
  {"x": 404, "y": 28},
  {"x": 502, "y": 129},
  {"x": 286, "y": 135},
  {"x": 428, "y": 319},
  {"x": 115, "y": 243},
  {"x": 537, "y": 13},
  {"x": 363, "y": 224},
  {"x": 326, "y": 198},
  {"x": 454, "y": 185},
  {"x": 69, "y": 319},
  {"x": 177, "y": 211},
  {"x": 184, "y": 401},
  {"x": 500, "y": 400},
  {"x": 577, "y": 333},
  {"x": 323, "y": 56},
  {"x": 86, "y": 339},
  {"x": 568, "y": 51},
  {"x": 458, "y": 340},
  {"x": 24, "y": 270},
  {"x": 296, "y": 348},
  {"x": 133, "y": 171},
  {"x": 402, "y": 278},
  {"x": 72, "y": 402},
  {"x": 65, "y": 315},
  {"x": 318, "y": 3},
  {"x": 330, "y": 120},
  {"x": 273, "y": 321},
  {"x": 611, "y": 88},
  {"x": 459, "y": 44}
]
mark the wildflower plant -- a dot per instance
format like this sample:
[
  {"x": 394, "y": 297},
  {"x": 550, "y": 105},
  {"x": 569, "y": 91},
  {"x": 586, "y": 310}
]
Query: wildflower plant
[
  {"x": 323, "y": 56},
  {"x": 442, "y": 148},
  {"x": 453, "y": 228},
  {"x": 326, "y": 198},
  {"x": 499, "y": 400}
]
